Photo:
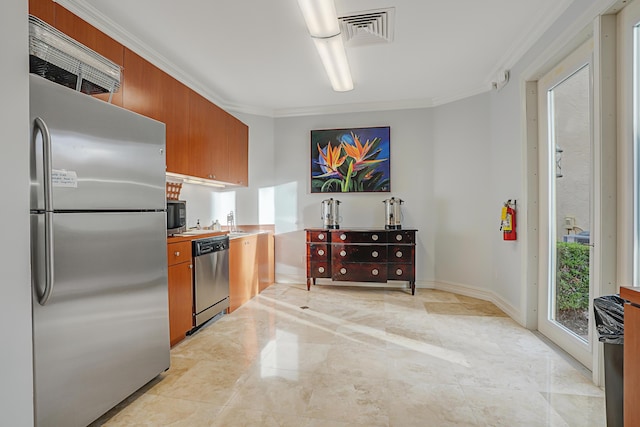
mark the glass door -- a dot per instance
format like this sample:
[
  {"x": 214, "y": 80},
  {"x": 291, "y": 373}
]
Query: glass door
[{"x": 566, "y": 203}]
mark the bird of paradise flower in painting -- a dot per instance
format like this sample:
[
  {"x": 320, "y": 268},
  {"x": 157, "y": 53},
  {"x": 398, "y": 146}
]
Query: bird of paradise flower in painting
[{"x": 342, "y": 162}]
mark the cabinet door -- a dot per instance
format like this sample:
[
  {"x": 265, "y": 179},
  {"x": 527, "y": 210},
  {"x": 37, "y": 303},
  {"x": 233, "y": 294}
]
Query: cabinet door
[
  {"x": 153, "y": 93},
  {"x": 180, "y": 301},
  {"x": 243, "y": 271},
  {"x": 208, "y": 148},
  {"x": 43, "y": 9},
  {"x": 266, "y": 268},
  {"x": 94, "y": 39},
  {"x": 238, "y": 152}
]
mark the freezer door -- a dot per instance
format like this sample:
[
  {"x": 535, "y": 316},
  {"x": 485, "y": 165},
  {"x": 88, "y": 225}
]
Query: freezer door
[
  {"x": 103, "y": 157},
  {"x": 104, "y": 332}
]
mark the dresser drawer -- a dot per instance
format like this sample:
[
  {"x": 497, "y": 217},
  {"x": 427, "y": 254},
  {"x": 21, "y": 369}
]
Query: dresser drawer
[
  {"x": 401, "y": 272},
  {"x": 178, "y": 252},
  {"x": 317, "y": 236},
  {"x": 358, "y": 253},
  {"x": 338, "y": 236},
  {"x": 361, "y": 272},
  {"x": 401, "y": 236},
  {"x": 401, "y": 253},
  {"x": 318, "y": 252},
  {"x": 319, "y": 269}
]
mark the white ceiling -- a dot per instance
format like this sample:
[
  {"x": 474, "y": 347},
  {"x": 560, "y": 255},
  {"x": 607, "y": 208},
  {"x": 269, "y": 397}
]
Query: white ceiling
[{"x": 256, "y": 55}]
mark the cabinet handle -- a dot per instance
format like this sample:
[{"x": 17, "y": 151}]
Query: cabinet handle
[
  {"x": 321, "y": 252},
  {"x": 321, "y": 236},
  {"x": 343, "y": 270},
  {"x": 374, "y": 271},
  {"x": 321, "y": 269},
  {"x": 343, "y": 237},
  {"x": 399, "y": 272},
  {"x": 343, "y": 253},
  {"x": 374, "y": 237},
  {"x": 190, "y": 265},
  {"x": 399, "y": 254},
  {"x": 374, "y": 254},
  {"x": 176, "y": 253},
  {"x": 398, "y": 237}
]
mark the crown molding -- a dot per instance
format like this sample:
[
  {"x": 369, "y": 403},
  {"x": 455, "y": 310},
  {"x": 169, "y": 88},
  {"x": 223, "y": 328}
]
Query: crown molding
[{"x": 84, "y": 10}]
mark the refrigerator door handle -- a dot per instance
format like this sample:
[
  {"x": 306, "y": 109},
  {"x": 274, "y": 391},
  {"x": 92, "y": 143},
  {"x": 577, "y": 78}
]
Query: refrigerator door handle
[{"x": 41, "y": 126}]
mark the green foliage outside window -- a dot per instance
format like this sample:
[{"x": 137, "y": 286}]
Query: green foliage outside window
[{"x": 572, "y": 277}]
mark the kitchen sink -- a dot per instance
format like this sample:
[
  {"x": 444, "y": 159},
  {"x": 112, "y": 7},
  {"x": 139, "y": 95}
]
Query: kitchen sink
[
  {"x": 197, "y": 232},
  {"x": 240, "y": 233}
]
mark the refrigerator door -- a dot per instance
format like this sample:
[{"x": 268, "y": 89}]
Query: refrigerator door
[
  {"x": 103, "y": 157},
  {"x": 104, "y": 332}
]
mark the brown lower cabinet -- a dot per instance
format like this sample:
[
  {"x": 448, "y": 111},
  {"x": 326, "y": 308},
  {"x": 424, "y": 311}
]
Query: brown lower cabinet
[
  {"x": 243, "y": 270},
  {"x": 251, "y": 267},
  {"x": 180, "y": 290}
]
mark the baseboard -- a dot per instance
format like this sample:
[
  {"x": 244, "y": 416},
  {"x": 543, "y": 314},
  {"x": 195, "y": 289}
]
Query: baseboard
[{"x": 456, "y": 288}]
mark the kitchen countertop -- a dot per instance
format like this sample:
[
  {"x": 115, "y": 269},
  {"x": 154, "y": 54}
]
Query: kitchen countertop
[{"x": 199, "y": 234}]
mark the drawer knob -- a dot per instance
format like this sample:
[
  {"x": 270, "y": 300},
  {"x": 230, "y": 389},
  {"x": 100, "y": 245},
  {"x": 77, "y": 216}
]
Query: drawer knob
[
  {"x": 321, "y": 269},
  {"x": 321, "y": 252},
  {"x": 398, "y": 237},
  {"x": 374, "y": 254},
  {"x": 176, "y": 253},
  {"x": 374, "y": 271},
  {"x": 343, "y": 270},
  {"x": 321, "y": 236},
  {"x": 343, "y": 253},
  {"x": 399, "y": 272},
  {"x": 399, "y": 254},
  {"x": 374, "y": 237},
  {"x": 343, "y": 237}
]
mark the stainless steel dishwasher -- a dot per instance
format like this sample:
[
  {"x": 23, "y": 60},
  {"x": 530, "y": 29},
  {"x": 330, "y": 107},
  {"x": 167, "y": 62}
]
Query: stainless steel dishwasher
[{"x": 210, "y": 278}]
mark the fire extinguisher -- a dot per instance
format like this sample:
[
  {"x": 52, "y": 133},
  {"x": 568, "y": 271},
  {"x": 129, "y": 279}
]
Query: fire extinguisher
[{"x": 508, "y": 221}]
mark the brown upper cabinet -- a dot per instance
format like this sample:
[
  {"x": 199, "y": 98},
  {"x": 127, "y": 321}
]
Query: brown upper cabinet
[
  {"x": 202, "y": 139},
  {"x": 153, "y": 93},
  {"x": 208, "y": 146},
  {"x": 238, "y": 152},
  {"x": 43, "y": 9}
]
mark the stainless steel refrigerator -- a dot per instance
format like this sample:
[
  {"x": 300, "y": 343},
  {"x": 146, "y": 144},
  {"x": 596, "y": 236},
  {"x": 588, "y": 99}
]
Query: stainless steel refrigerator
[{"x": 99, "y": 263}]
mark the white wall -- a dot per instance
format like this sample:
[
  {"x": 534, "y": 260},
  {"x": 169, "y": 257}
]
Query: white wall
[
  {"x": 466, "y": 219},
  {"x": 412, "y": 161},
  {"x": 16, "y": 391},
  {"x": 511, "y": 263}
]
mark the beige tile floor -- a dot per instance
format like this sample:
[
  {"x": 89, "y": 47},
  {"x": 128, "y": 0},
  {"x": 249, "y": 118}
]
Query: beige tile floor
[{"x": 347, "y": 356}]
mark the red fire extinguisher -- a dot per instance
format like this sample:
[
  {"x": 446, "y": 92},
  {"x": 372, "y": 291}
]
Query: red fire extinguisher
[{"x": 508, "y": 221}]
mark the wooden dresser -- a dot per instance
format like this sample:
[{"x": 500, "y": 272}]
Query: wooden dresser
[{"x": 361, "y": 255}]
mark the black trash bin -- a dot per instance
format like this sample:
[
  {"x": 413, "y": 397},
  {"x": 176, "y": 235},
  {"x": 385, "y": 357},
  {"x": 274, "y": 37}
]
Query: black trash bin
[{"x": 609, "y": 317}]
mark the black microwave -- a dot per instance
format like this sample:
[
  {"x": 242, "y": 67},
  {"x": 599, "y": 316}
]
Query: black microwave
[{"x": 176, "y": 217}]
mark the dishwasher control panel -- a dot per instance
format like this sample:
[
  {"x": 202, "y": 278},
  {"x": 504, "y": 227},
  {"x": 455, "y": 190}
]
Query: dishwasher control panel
[{"x": 210, "y": 244}]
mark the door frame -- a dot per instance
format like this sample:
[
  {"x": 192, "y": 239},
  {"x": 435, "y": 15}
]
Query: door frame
[
  {"x": 562, "y": 71},
  {"x": 604, "y": 31}
]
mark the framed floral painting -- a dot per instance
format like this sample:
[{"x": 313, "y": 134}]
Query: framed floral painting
[{"x": 350, "y": 160}]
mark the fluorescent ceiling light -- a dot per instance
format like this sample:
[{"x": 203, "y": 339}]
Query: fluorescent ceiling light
[
  {"x": 322, "y": 22},
  {"x": 321, "y": 17},
  {"x": 334, "y": 59}
]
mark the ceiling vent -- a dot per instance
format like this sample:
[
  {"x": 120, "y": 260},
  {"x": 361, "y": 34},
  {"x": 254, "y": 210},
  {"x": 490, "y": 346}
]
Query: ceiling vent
[{"x": 370, "y": 27}]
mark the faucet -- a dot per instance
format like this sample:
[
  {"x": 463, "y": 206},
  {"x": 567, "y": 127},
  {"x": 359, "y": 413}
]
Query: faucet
[{"x": 231, "y": 222}]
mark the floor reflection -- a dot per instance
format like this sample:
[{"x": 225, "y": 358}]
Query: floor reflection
[{"x": 356, "y": 356}]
